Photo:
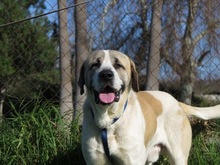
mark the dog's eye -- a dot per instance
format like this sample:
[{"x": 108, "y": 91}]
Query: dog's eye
[
  {"x": 118, "y": 65},
  {"x": 95, "y": 65}
]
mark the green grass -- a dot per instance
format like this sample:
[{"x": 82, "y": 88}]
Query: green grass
[
  {"x": 206, "y": 145},
  {"x": 38, "y": 137}
]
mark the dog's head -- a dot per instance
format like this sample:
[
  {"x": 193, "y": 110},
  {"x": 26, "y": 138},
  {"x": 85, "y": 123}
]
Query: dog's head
[{"x": 108, "y": 74}]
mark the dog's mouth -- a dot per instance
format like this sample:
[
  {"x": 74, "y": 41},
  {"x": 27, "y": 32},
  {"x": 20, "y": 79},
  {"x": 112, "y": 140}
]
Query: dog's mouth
[{"x": 107, "y": 96}]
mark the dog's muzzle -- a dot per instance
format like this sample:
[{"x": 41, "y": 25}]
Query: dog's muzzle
[{"x": 108, "y": 94}]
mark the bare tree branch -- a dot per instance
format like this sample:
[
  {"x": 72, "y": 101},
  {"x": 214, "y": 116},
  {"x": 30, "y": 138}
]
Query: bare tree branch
[
  {"x": 126, "y": 38},
  {"x": 202, "y": 57},
  {"x": 174, "y": 64},
  {"x": 209, "y": 29},
  {"x": 110, "y": 5}
]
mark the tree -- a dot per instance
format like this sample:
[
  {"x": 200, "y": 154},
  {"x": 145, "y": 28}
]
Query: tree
[
  {"x": 82, "y": 51},
  {"x": 130, "y": 33},
  {"x": 184, "y": 32},
  {"x": 27, "y": 53},
  {"x": 190, "y": 32},
  {"x": 66, "y": 100},
  {"x": 154, "y": 52}
]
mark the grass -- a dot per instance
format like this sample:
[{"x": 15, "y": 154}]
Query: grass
[
  {"x": 206, "y": 145},
  {"x": 37, "y": 137}
]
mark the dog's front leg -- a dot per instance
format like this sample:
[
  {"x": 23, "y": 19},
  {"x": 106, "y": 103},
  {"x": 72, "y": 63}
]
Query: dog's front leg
[{"x": 95, "y": 158}]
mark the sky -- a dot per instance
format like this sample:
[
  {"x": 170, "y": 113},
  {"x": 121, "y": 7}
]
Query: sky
[
  {"x": 50, "y": 6},
  {"x": 212, "y": 69}
]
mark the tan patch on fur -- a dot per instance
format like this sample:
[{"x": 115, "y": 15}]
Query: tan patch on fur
[{"x": 151, "y": 109}]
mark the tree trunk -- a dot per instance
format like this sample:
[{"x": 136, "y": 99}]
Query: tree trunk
[
  {"x": 145, "y": 37},
  {"x": 187, "y": 85},
  {"x": 82, "y": 51},
  {"x": 66, "y": 101},
  {"x": 154, "y": 56},
  {"x": 188, "y": 73},
  {"x": 181, "y": 59}
]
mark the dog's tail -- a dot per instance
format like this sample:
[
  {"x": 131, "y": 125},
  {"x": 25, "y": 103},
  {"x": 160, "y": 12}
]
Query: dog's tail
[{"x": 205, "y": 113}]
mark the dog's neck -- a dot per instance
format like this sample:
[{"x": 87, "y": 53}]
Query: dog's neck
[{"x": 105, "y": 115}]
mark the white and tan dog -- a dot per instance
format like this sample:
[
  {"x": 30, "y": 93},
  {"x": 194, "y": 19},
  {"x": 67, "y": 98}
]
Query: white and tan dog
[{"x": 137, "y": 126}]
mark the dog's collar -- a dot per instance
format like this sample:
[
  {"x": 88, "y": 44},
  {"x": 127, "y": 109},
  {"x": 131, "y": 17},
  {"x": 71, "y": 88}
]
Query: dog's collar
[{"x": 104, "y": 134}]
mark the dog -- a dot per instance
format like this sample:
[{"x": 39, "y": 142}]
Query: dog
[{"x": 125, "y": 126}]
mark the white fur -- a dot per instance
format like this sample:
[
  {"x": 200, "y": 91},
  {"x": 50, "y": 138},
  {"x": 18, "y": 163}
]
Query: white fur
[
  {"x": 128, "y": 144},
  {"x": 106, "y": 65},
  {"x": 129, "y": 139}
]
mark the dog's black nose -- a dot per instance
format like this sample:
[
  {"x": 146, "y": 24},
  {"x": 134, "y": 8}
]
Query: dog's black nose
[{"x": 106, "y": 75}]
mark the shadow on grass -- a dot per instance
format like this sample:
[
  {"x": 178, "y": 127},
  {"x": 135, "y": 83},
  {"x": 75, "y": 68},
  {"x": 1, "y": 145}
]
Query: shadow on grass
[{"x": 69, "y": 157}]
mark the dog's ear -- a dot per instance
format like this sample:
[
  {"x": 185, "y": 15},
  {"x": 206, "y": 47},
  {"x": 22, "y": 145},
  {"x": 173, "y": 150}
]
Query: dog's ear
[
  {"x": 134, "y": 77},
  {"x": 81, "y": 81}
]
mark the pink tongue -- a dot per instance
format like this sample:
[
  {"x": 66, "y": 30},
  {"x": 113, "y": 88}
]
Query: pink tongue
[{"x": 107, "y": 97}]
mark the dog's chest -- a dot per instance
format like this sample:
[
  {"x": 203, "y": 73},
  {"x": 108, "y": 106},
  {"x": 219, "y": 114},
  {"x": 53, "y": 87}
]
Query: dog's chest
[{"x": 126, "y": 147}]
